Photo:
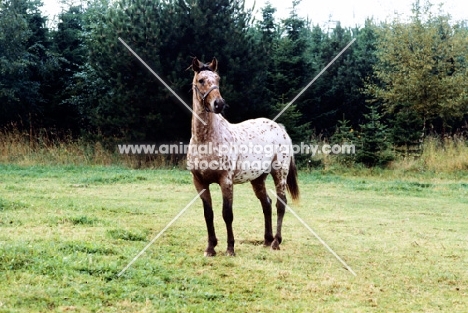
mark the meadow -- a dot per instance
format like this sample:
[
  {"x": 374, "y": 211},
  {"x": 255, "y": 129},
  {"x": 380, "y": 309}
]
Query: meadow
[{"x": 66, "y": 231}]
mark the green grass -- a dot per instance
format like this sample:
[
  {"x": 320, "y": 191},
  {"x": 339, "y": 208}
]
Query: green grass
[{"x": 67, "y": 231}]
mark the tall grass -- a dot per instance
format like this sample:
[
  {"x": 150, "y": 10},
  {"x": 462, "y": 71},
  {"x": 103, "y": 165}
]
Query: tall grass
[
  {"x": 16, "y": 147},
  {"x": 449, "y": 155},
  {"x": 438, "y": 155}
]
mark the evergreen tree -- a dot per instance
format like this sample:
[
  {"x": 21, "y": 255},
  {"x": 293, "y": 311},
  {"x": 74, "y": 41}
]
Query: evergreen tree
[
  {"x": 374, "y": 143},
  {"x": 68, "y": 45},
  {"x": 288, "y": 74},
  {"x": 25, "y": 63},
  {"x": 338, "y": 90},
  {"x": 167, "y": 35},
  {"x": 358, "y": 65},
  {"x": 114, "y": 92},
  {"x": 290, "y": 65},
  {"x": 268, "y": 29},
  {"x": 406, "y": 130},
  {"x": 15, "y": 86},
  {"x": 267, "y": 35},
  {"x": 345, "y": 135}
]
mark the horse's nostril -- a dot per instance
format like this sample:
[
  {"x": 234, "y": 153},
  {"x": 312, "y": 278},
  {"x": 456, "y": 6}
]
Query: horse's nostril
[{"x": 218, "y": 103}]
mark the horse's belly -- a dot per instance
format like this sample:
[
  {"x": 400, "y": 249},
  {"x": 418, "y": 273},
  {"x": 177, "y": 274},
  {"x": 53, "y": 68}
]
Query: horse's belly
[
  {"x": 250, "y": 169},
  {"x": 245, "y": 177}
]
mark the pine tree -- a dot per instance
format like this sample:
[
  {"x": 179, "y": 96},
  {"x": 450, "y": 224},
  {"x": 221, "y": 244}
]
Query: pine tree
[
  {"x": 338, "y": 90},
  {"x": 288, "y": 75},
  {"x": 345, "y": 135},
  {"x": 267, "y": 35},
  {"x": 68, "y": 45},
  {"x": 268, "y": 29},
  {"x": 25, "y": 63},
  {"x": 406, "y": 129},
  {"x": 15, "y": 86},
  {"x": 167, "y": 35},
  {"x": 373, "y": 144}
]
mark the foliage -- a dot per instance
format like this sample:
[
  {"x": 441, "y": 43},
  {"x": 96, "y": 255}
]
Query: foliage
[
  {"x": 166, "y": 35},
  {"x": 67, "y": 43},
  {"x": 25, "y": 62},
  {"x": 288, "y": 73},
  {"x": 422, "y": 67},
  {"x": 407, "y": 128},
  {"x": 76, "y": 79},
  {"x": 449, "y": 155},
  {"x": 374, "y": 143},
  {"x": 338, "y": 90},
  {"x": 345, "y": 135}
]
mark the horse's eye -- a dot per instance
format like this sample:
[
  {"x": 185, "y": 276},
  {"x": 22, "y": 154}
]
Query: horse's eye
[{"x": 201, "y": 81}]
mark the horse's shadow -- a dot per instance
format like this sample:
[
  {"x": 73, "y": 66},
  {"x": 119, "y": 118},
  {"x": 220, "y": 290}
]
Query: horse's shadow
[{"x": 251, "y": 242}]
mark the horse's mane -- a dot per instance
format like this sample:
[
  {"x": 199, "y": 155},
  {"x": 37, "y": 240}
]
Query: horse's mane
[{"x": 205, "y": 68}]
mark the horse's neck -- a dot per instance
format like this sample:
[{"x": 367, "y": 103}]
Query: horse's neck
[{"x": 212, "y": 131}]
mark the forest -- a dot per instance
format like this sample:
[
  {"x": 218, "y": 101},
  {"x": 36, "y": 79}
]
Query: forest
[{"x": 401, "y": 81}]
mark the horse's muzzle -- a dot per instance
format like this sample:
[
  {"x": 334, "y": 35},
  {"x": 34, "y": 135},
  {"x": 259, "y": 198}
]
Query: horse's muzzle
[{"x": 218, "y": 105}]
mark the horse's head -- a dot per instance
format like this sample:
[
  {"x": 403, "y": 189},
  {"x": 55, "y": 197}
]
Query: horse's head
[{"x": 206, "y": 85}]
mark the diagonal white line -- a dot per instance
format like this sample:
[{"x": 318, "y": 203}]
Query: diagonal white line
[
  {"x": 160, "y": 233},
  {"x": 161, "y": 80},
  {"x": 313, "y": 233},
  {"x": 315, "y": 78}
]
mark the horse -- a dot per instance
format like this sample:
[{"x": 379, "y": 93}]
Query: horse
[{"x": 227, "y": 154}]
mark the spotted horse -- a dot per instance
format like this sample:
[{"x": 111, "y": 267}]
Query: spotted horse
[{"x": 235, "y": 154}]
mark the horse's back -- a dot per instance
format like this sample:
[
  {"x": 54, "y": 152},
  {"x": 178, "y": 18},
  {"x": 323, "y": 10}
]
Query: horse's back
[{"x": 261, "y": 130}]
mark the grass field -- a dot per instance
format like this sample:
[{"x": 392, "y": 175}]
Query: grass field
[{"x": 67, "y": 231}]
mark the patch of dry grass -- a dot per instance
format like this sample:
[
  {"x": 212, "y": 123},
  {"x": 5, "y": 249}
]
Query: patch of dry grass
[
  {"x": 448, "y": 155},
  {"x": 16, "y": 147}
]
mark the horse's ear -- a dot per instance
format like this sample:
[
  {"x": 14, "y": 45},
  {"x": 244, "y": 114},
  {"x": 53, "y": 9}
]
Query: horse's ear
[
  {"x": 213, "y": 65},
  {"x": 196, "y": 65}
]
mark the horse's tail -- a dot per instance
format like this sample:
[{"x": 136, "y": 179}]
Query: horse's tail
[{"x": 291, "y": 180}]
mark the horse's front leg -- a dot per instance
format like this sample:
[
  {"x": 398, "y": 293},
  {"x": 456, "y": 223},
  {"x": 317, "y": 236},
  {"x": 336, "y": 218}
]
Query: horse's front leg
[
  {"x": 209, "y": 217},
  {"x": 228, "y": 216}
]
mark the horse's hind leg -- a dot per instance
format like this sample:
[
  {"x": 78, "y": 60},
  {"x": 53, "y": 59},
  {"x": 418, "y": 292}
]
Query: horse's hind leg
[
  {"x": 279, "y": 177},
  {"x": 258, "y": 185}
]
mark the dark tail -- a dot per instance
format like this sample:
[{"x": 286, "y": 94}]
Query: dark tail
[{"x": 291, "y": 180}]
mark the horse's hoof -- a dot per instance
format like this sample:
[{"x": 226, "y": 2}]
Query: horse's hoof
[
  {"x": 275, "y": 245},
  {"x": 210, "y": 253},
  {"x": 230, "y": 253}
]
